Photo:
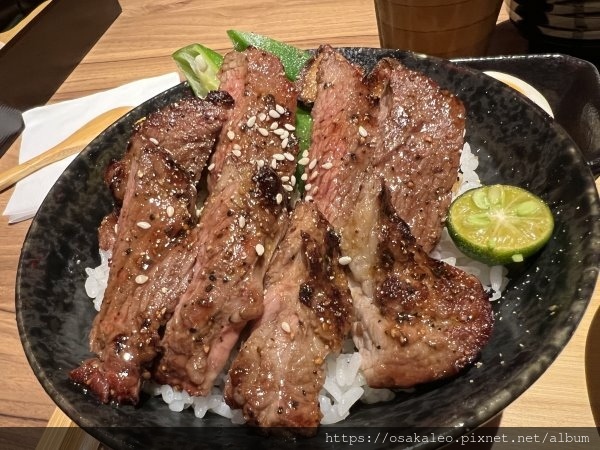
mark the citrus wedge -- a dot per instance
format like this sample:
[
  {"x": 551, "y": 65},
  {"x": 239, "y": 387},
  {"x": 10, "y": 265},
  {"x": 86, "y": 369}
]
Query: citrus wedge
[{"x": 499, "y": 224}]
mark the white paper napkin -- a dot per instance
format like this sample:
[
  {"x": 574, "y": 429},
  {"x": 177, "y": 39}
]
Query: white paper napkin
[{"x": 46, "y": 126}]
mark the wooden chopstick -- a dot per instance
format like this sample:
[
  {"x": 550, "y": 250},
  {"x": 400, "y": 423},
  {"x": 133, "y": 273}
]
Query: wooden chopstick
[
  {"x": 62, "y": 433},
  {"x": 70, "y": 146}
]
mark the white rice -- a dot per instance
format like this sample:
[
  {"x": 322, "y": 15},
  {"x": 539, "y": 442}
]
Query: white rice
[
  {"x": 492, "y": 278},
  {"x": 344, "y": 382},
  {"x": 180, "y": 400},
  {"x": 97, "y": 278},
  {"x": 345, "y": 385}
]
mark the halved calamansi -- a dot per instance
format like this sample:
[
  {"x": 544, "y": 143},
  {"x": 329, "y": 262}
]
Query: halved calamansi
[{"x": 499, "y": 224}]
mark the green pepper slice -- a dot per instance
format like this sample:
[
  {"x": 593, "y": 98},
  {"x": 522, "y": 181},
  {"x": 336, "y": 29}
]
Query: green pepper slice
[
  {"x": 200, "y": 66},
  {"x": 292, "y": 58}
]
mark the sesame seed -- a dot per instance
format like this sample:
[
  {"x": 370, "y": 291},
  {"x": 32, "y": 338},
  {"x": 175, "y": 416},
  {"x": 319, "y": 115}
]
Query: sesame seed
[
  {"x": 327, "y": 166},
  {"x": 288, "y": 188},
  {"x": 293, "y": 180},
  {"x": 289, "y": 127},
  {"x": 278, "y": 131},
  {"x": 236, "y": 147},
  {"x": 141, "y": 279},
  {"x": 315, "y": 189},
  {"x": 236, "y": 153},
  {"x": 251, "y": 121},
  {"x": 153, "y": 140},
  {"x": 260, "y": 163},
  {"x": 275, "y": 126},
  {"x": 284, "y": 144},
  {"x": 260, "y": 249},
  {"x": 274, "y": 114},
  {"x": 263, "y": 131},
  {"x": 200, "y": 64},
  {"x": 286, "y": 327},
  {"x": 231, "y": 135},
  {"x": 262, "y": 117},
  {"x": 116, "y": 227},
  {"x": 314, "y": 174},
  {"x": 279, "y": 198},
  {"x": 362, "y": 131},
  {"x": 242, "y": 221},
  {"x": 143, "y": 225},
  {"x": 285, "y": 178},
  {"x": 303, "y": 161},
  {"x": 280, "y": 109},
  {"x": 308, "y": 198},
  {"x": 211, "y": 167},
  {"x": 312, "y": 164},
  {"x": 170, "y": 211},
  {"x": 273, "y": 164},
  {"x": 307, "y": 187},
  {"x": 305, "y": 154},
  {"x": 304, "y": 177},
  {"x": 140, "y": 174},
  {"x": 278, "y": 156},
  {"x": 345, "y": 260}
]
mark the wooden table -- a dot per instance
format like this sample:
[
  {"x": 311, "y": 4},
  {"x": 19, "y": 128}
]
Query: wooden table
[{"x": 139, "y": 45}]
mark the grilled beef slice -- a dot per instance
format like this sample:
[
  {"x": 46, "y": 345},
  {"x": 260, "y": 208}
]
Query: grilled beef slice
[
  {"x": 150, "y": 268},
  {"x": 418, "y": 154},
  {"x": 418, "y": 319},
  {"x": 399, "y": 124},
  {"x": 344, "y": 137},
  {"x": 344, "y": 122},
  {"x": 393, "y": 282},
  {"x": 278, "y": 373},
  {"x": 243, "y": 220},
  {"x": 187, "y": 130},
  {"x": 264, "y": 113}
]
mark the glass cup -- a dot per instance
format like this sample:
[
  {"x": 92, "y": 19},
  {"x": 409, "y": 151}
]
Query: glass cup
[{"x": 445, "y": 28}]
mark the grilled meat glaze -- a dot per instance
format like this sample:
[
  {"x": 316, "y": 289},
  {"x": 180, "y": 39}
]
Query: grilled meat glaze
[
  {"x": 243, "y": 219},
  {"x": 150, "y": 268},
  {"x": 417, "y": 320}
]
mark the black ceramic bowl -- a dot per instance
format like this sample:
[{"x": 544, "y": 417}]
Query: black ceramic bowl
[{"x": 516, "y": 143}]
